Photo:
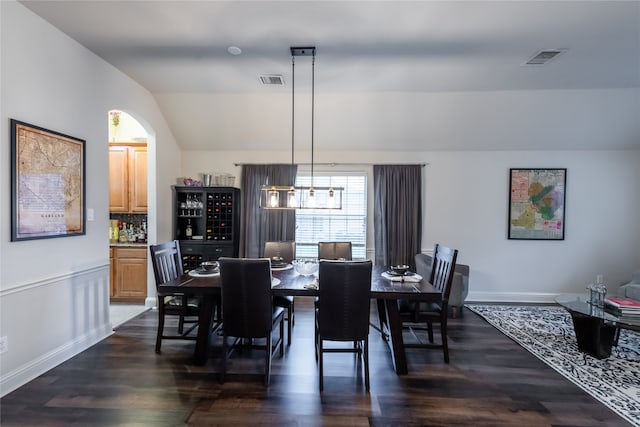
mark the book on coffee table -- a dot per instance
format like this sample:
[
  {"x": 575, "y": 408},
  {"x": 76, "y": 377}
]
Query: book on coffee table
[{"x": 625, "y": 305}]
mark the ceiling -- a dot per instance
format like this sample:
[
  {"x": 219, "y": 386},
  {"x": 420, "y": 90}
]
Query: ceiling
[{"x": 410, "y": 72}]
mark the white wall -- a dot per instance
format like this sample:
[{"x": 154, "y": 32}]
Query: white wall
[
  {"x": 54, "y": 293},
  {"x": 466, "y": 199}
]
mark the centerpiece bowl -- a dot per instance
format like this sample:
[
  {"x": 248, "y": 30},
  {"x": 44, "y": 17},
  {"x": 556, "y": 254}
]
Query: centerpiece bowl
[
  {"x": 305, "y": 267},
  {"x": 277, "y": 260},
  {"x": 209, "y": 265},
  {"x": 400, "y": 270}
]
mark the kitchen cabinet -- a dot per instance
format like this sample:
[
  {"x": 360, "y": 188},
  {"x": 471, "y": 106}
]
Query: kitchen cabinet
[
  {"x": 207, "y": 223},
  {"x": 128, "y": 274},
  {"x": 128, "y": 178}
]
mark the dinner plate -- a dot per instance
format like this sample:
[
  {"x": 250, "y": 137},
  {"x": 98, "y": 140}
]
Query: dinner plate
[
  {"x": 393, "y": 273},
  {"x": 278, "y": 264},
  {"x": 275, "y": 281},
  {"x": 198, "y": 272},
  {"x": 280, "y": 267}
]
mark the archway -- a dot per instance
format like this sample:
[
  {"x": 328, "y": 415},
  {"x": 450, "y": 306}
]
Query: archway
[{"x": 131, "y": 213}]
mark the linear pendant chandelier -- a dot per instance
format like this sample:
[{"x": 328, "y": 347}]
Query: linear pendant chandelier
[{"x": 301, "y": 197}]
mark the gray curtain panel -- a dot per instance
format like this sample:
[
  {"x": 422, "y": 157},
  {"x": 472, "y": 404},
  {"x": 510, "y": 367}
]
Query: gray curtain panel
[
  {"x": 260, "y": 225},
  {"x": 397, "y": 213}
]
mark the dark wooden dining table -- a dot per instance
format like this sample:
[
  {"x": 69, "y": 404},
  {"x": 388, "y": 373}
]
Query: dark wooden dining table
[{"x": 386, "y": 293}]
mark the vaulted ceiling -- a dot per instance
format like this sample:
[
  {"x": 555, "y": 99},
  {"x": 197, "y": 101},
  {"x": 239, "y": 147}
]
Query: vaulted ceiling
[{"x": 410, "y": 75}]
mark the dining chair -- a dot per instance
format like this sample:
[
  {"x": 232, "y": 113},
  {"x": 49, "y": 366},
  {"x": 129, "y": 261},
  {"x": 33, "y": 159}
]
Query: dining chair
[
  {"x": 248, "y": 311},
  {"x": 342, "y": 311},
  {"x": 167, "y": 265},
  {"x": 414, "y": 314},
  {"x": 334, "y": 250},
  {"x": 280, "y": 248},
  {"x": 286, "y": 250}
]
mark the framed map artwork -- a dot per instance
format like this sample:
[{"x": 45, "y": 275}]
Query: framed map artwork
[
  {"x": 47, "y": 183},
  {"x": 537, "y": 204}
]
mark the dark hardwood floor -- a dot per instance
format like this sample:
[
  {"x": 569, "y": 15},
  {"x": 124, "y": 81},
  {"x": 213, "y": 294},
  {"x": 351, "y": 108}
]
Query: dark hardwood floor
[{"x": 121, "y": 381}]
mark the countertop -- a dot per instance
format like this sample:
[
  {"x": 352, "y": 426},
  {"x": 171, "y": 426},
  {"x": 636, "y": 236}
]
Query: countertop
[{"x": 128, "y": 245}]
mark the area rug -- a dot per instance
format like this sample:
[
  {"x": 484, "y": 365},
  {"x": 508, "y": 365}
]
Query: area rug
[{"x": 547, "y": 333}]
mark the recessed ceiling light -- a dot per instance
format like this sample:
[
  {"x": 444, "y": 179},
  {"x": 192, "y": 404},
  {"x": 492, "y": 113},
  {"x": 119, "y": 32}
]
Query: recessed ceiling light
[{"x": 234, "y": 50}]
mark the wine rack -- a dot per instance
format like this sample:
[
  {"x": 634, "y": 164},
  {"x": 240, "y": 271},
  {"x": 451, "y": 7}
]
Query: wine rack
[{"x": 207, "y": 223}]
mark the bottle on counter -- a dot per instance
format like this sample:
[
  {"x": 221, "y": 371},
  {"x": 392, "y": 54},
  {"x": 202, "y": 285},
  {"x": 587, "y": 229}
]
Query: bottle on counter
[
  {"x": 114, "y": 231},
  {"x": 122, "y": 235}
]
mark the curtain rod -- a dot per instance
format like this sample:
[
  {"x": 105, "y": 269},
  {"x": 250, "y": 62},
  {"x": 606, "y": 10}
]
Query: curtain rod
[{"x": 336, "y": 164}]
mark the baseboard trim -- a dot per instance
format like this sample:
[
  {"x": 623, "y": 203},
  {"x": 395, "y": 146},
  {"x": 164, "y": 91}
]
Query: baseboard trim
[
  {"x": 22, "y": 375},
  {"x": 515, "y": 297}
]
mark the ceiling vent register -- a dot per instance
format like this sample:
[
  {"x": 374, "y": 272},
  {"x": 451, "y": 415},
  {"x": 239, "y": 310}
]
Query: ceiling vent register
[
  {"x": 272, "y": 79},
  {"x": 544, "y": 56}
]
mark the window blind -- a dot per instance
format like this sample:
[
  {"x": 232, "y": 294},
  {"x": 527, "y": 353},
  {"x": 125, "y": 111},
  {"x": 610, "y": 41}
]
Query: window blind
[{"x": 346, "y": 224}]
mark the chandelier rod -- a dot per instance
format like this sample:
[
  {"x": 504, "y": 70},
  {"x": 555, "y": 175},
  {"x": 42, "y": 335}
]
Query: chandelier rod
[
  {"x": 293, "y": 104},
  {"x": 313, "y": 80}
]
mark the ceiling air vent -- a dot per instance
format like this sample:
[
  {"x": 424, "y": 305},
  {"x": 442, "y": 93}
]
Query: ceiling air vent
[
  {"x": 544, "y": 56},
  {"x": 271, "y": 79}
]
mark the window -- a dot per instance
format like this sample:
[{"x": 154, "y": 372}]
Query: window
[{"x": 327, "y": 225}]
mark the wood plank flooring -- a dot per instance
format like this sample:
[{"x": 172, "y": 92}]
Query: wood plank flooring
[{"x": 121, "y": 381}]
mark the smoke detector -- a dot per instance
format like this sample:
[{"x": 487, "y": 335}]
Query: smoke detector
[
  {"x": 272, "y": 79},
  {"x": 544, "y": 56}
]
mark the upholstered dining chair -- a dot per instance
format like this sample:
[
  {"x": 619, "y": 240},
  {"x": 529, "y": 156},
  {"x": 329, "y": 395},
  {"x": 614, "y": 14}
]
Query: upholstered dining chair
[
  {"x": 287, "y": 251},
  {"x": 247, "y": 308},
  {"x": 343, "y": 310},
  {"x": 414, "y": 314},
  {"x": 280, "y": 248},
  {"x": 334, "y": 250},
  {"x": 167, "y": 265}
]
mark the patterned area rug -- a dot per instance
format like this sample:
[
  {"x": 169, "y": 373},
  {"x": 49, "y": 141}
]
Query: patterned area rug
[{"x": 547, "y": 333}]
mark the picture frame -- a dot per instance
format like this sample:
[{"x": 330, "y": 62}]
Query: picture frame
[
  {"x": 47, "y": 183},
  {"x": 537, "y": 203}
]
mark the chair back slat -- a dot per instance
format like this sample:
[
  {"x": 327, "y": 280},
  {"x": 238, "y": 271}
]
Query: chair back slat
[{"x": 167, "y": 261}]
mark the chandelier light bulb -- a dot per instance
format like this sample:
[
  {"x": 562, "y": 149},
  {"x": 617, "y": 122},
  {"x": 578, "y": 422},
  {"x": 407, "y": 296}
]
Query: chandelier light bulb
[
  {"x": 331, "y": 202},
  {"x": 291, "y": 198},
  {"x": 274, "y": 198},
  {"x": 311, "y": 201}
]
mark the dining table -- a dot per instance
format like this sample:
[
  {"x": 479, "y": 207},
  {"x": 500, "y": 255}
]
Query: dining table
[{"x": 385, "y": 290}]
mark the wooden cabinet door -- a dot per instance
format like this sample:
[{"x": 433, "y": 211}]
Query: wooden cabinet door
[
  {"x": 118, "y": 179},
  {"x": 138, "y": 179},
  {"x": 130, "y": 275}
]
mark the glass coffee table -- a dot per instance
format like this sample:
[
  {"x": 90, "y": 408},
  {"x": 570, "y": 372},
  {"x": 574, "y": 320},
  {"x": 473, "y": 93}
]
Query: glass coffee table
[{"x": 596, "y": 328}]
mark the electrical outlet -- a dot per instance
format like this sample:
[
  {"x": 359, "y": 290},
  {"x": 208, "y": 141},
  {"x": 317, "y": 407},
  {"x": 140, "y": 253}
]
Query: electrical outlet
[{"x": 4, "y": 344}]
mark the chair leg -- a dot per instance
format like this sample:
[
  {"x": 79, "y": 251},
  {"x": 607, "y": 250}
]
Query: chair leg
[
  {"x": 160, "y": 325},
  {"x": 430, "y": 331},
  {"x": 181, "y": 325},
  {"x": 321, "y": 356},
  {"x": 315, "y": 323},
  {"x": 282, "y": 338},
  {"x": 219, "y": 310},
  {"x": 443, "y": 333},
  {"x": 366, "y": 364},
  {"x": 289, "y": 323},
  {"x": 223, "y": 368},
  {"x": 293, "y": 311},
  {"x": 267, "y": 361}
]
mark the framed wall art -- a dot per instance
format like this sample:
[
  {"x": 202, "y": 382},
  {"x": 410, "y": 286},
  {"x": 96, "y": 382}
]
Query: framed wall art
[
  {"x": 537, "y": 204},
  {"x": 47, "y": 183}
]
